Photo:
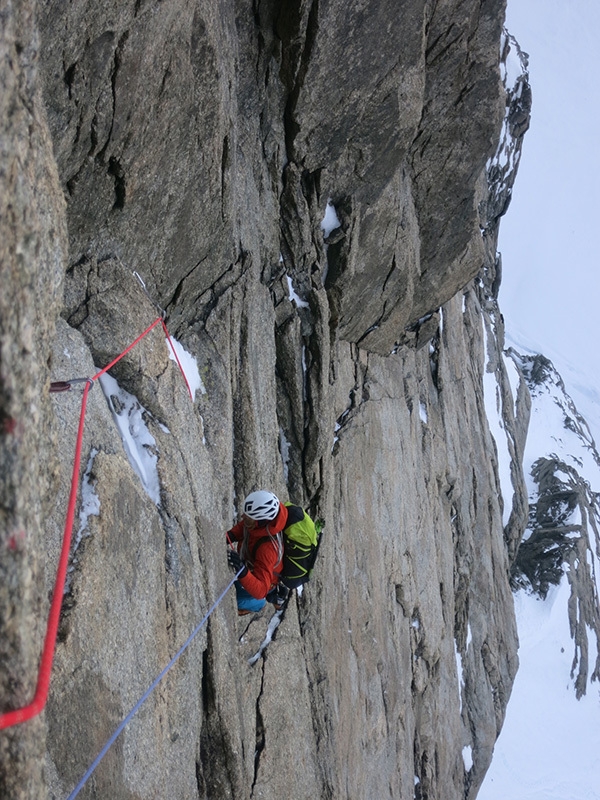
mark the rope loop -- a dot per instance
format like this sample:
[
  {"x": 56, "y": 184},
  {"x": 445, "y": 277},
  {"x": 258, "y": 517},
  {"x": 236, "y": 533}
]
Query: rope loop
[{"x": 38, "y": 703}]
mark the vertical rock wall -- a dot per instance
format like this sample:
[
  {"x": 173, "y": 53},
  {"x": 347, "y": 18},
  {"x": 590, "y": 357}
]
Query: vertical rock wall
[
  {"x": 32, "y": 259},
  {"x": 199, "y": 143}
]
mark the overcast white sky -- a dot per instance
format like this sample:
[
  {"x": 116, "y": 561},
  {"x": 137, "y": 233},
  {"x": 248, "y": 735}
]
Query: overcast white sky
[{"x": 551, "y": 279}]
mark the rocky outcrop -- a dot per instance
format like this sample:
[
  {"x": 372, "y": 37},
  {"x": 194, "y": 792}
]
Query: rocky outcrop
[
  {"x": 200, "y": 147},
  {"x": 256, "y": 120}
]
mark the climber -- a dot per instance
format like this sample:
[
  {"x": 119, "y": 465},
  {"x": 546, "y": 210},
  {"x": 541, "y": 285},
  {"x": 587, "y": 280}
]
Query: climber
[{"x": 259, "y": 552}]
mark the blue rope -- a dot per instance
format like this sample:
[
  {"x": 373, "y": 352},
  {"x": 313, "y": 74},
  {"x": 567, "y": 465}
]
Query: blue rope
[{"x": 149, "y": 691}]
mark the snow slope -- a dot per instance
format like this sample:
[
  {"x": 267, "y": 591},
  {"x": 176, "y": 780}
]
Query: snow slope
[{"x": 549, "y": 748}]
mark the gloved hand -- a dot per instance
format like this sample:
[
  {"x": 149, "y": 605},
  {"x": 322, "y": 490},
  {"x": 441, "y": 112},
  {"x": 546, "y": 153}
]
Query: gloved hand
[{"x": 236, "y": 563}]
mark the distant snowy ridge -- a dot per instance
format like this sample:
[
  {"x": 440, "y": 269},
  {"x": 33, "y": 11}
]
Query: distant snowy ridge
[
  {"x": 562, "y": 466},
  {"x": 552, "y": 725},
  {"x": 502, "y": 167}
]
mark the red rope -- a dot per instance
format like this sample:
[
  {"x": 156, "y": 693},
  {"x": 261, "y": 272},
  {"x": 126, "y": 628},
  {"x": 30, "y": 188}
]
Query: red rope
[
  {"x": 43, "y": 684},
  {"x": 45, "y": 669},
  {"x": 133, "y": 344}
]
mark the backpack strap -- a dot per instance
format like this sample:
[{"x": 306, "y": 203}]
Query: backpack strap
[
  {"x": 274, "y": 540},
  {"x": 257, "y": 544},
  {"x": 295, "y": 514}
]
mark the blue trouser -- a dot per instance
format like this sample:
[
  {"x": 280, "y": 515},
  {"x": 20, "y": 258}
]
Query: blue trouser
[{"x": 245, "y": 601}]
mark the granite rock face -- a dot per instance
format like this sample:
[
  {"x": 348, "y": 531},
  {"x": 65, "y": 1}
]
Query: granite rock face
[
  {"x": 199, "y": 144},
  {"x": 32, "y": 259}
]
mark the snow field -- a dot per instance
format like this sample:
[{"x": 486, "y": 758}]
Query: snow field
[
  {"x": 139, "y": 444},
  {"x": 129, "y": 416},
  {"x": 549, "y": 747}
]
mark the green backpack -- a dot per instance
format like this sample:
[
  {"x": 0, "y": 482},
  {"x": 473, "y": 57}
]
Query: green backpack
[{"x": 301, "y": 540}]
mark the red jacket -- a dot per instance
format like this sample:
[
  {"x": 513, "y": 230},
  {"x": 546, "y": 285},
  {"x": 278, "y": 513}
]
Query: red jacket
[{"x": 264, "y": 562}]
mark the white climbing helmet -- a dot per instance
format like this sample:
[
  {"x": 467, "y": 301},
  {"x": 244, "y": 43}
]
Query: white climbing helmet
[{"x": 261, "y": 505}]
